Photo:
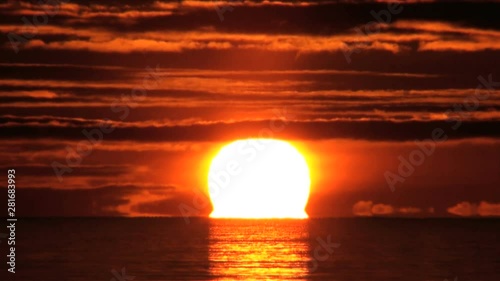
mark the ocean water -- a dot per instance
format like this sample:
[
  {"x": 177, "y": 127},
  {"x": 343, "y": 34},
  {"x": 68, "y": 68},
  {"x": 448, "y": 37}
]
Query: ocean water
[{"x": 120, "y": 249}]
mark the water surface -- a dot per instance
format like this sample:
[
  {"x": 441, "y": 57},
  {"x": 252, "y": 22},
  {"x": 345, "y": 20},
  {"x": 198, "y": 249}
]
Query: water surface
[{"x": 207, "y": 249}]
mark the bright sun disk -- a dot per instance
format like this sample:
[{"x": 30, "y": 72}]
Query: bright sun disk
[{"x": 259, "y": 178}]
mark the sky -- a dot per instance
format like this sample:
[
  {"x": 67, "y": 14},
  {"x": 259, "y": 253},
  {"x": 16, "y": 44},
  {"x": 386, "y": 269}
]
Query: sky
[{"x": 116, "y": 108}]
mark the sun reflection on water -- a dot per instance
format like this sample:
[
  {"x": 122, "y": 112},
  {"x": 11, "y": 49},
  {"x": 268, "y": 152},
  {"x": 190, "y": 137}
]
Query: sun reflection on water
[{"x": 258, "y": 250}]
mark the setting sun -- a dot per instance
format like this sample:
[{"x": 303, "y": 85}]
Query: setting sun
[{"x": 259, "y": 178}]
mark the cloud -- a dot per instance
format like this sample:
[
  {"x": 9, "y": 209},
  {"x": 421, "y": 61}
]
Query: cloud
[
  {"x": 120, "y": 45},
  {"x": 368, "y": 209},
  {"x": 40, "y": 94},
  {"x": 194, "y": 205},
  {"x": 362, "y": 208},
  {"x": 109, "y": 200},
  {"x": 467, "y": 209},
  {"x": 216, "y": 41},
  {"x": 39, "y": 170},
  {"x": 412, "y": 210},
  {"x": 430, "y": 35},
  {"x": 192, "y": 25},
  {"x": 299, "y": 130},
  {"x": 465, "y": 39},
  {"x": 487, "y": 209},
  {"x": 464, "y": 209},
  {"x": 479, "y": 44},
  {"x": 382, "y": 209}
]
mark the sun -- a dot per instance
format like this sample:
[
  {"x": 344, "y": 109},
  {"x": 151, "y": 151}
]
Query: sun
[{"x": 259, "y": 178}]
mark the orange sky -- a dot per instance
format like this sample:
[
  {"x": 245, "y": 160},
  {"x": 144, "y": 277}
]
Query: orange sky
[{"x": 353, "y": 86}]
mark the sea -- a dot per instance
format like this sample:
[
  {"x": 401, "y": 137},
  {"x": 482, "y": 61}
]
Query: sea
[{"x": 160, "y": 249}]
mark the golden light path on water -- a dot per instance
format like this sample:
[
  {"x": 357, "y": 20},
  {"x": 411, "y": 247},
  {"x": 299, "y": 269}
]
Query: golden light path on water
[{"x": 259, "y": 249}]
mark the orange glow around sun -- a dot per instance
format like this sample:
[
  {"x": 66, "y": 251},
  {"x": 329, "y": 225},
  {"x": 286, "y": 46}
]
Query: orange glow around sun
[{"x": 259, "y": 178}]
